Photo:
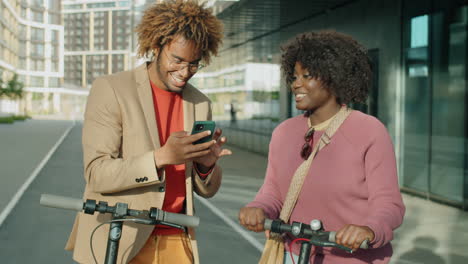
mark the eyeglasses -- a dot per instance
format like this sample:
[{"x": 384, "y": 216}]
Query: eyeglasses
[
  {"x": 179, "y": 65},
  {"x": 307, "y": 148}
]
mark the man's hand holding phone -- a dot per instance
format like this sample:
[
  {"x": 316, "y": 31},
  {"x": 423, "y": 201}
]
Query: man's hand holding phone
[
  {"x": 180, "y": 148},
  {"x": 216, "y": 152}
]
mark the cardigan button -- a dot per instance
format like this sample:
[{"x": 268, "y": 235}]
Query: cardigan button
[{"x": 162, "y": 189}]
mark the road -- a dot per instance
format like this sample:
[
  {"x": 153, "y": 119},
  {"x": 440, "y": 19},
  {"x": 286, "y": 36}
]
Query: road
[
  {"x": 35, "y": 160},
  {"x": 34, "y": 234}
]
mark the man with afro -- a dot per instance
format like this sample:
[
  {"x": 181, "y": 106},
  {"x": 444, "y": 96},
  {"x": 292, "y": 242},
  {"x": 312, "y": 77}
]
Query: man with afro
[{"x": 135, "y": 142}]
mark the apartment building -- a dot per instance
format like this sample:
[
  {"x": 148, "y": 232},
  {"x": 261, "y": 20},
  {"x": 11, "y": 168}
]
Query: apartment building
[
  {"x": 98, "y": 39},
  {"x": 31, "y": 46}
]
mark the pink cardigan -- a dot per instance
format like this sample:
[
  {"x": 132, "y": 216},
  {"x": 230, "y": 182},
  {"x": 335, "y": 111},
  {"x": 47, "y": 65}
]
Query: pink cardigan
[{"x": 353, "y": 180}]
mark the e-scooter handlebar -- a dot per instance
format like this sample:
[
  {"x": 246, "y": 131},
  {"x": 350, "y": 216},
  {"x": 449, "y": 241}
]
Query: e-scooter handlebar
[
  {"x": 61, "y": 202},
  {"x": 159, "y": 215},
  {"x": 322, "y": 238}
]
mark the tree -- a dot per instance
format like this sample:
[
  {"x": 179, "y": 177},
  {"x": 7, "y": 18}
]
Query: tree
[
  {"x": 14, "y": 88},
  {"x": 2, "y": 90}
]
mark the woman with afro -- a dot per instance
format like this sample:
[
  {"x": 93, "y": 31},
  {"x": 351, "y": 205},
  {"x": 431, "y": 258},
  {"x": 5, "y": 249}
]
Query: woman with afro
[{"x": 352, "y": 183}]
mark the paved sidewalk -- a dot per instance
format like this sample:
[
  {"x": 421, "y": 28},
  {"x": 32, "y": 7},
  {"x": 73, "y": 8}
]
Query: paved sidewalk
[{"x": 431, "y": 233}]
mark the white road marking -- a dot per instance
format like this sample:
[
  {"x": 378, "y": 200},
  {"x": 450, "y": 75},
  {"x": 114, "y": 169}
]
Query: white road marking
[
  {"x": 252, "y": 240},
  {"x": 11, "y": 205}
]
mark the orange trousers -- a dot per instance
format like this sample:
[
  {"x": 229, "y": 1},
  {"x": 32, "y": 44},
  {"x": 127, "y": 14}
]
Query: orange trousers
[{"x": 166, "y": 249}]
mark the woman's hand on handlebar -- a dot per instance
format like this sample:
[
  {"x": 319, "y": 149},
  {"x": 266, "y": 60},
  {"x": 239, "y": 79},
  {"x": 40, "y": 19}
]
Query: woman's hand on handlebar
[
  {"x": 352, "y": 236},
  {"x": 252, "y": 218}
]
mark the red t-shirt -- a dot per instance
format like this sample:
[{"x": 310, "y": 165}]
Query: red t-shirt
[{"x": 169, "y": 112}]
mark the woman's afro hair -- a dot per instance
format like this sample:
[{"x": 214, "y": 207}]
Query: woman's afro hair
[{"x": 336, "y": 59}]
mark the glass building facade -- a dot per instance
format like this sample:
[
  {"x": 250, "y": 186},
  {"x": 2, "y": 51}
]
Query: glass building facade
[
  {"x": 434, "y": 60},
  {"x": 419, "y": 55}
]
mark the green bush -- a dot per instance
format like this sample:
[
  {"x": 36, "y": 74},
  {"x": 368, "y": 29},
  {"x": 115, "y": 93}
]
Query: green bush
[
  {"x": 7, "y": 120},
  {"x": 21, "y": 117}
]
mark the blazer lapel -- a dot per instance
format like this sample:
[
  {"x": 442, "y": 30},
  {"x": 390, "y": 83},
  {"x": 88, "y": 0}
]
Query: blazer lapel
[
  {"x": 189, "y": 118},
  {"x": 146, "y": 100},
  {"x": 189, "y": 109}
]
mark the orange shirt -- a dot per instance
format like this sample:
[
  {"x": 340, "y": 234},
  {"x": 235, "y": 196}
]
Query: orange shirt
[{"x": 169, "y": 112}]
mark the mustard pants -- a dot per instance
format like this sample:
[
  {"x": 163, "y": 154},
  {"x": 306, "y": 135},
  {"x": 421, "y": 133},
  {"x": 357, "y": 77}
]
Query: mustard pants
[{"x": 165, "y": 249}]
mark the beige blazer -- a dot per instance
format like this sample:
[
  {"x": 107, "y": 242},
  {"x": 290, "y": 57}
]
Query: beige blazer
[{"x": 119, "y": 136}]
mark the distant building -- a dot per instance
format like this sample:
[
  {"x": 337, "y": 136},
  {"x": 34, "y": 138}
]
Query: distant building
[
  {"x": 98, "y": 39},
  {"x": 31, "y": 45}
]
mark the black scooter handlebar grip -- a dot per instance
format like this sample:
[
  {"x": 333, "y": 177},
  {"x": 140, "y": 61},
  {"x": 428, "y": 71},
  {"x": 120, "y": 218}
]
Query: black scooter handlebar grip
[
  {"x": 332, "y": 238},
  {"x": 61, "y": 202},
  {"x": 180, "y": 219}
]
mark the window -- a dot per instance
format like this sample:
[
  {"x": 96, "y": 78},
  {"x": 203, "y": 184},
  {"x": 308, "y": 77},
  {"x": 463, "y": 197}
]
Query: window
[
  {"x": 54, "y": 34},
  {"x": 37, "y": 65},
  {"x": 22, "y": 63},
  {"x": 37, "y": 16},
  {"x": 37, "y": 34},
  {"x": 54, "y": 5},
  {"x": 22, "y": 30},
  {"x": 37, "y": 3},
  {"x": 36, "y": 81},
  {"x": 22, "y": 49},
  {"x": 23, "y": 12},
  {"x": 110, "y": 4},
  {"x": 419, "y": 31},
  {"x": 54, "y": 82},
  {"x": 124, "y": 3},
  {"x": 38, "y": 50},
  {"x": 74, "y": 6},
  {"x": 54, "y": 19},
  {"x": 434, "y": 118}
]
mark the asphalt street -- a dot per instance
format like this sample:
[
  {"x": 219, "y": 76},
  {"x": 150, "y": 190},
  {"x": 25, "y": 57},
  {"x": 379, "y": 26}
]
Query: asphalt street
[
  {"x": 35, "y": 234},
  {"x": 431, "y": 233}
]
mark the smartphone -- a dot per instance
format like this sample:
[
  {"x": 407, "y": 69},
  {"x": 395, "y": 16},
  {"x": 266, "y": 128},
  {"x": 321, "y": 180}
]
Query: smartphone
[{"x": 200, "y": 126}]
